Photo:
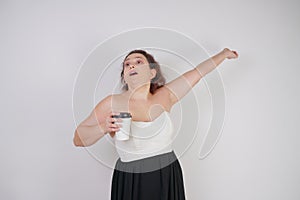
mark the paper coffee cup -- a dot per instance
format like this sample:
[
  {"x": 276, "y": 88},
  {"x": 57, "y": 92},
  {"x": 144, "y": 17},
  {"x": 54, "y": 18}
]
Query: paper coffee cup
[{"x": 124, "y": 132}]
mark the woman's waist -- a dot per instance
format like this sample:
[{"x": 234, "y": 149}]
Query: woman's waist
[{"x": 141, "y": 163}]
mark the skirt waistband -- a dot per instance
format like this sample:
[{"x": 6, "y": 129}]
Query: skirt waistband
[{"x": 146, "y": 164}]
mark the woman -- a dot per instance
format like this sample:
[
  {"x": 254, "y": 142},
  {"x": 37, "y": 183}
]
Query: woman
[{"x": 148, "y": 167}]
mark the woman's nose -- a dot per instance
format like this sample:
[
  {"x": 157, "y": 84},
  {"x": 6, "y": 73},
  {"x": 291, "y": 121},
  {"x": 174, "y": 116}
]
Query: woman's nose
[{"x": 132, "y": 66}]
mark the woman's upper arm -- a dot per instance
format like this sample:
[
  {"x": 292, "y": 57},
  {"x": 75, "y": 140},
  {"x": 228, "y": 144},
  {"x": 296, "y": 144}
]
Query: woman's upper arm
[
  {"x": 180, "y": 86},
  {"x": 99, "y": 113}
]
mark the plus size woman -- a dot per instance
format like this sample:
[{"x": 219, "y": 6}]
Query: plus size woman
[{"x": 147, "y": 167}]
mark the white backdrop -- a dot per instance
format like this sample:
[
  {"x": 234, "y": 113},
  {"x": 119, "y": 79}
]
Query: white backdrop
[{"x": 43, "y": 44}]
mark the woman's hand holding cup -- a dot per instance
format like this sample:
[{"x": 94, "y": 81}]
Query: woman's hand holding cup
[
  {"x": 112, "y": 124},
  {"x": 124, "y": 131}
]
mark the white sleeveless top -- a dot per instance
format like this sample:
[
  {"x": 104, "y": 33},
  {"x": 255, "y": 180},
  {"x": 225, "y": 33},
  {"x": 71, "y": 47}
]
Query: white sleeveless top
[{"x": 147, "y": 139}]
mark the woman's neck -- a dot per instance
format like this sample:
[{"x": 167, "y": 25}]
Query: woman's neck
[{"x": 140, "y": 93}]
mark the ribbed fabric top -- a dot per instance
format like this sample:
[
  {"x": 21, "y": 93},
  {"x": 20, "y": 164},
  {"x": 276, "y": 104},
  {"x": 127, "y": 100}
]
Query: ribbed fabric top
[{"x": 147, "y": 139}]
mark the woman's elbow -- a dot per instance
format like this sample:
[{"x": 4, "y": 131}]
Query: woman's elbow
[{"x": 77, "y": 141}]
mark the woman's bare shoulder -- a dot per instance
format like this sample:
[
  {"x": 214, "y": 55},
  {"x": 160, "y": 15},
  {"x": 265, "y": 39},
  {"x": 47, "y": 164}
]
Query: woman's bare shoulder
[
  {"x": 109, "y": 98},
  {"x": 108, "y": 102}
]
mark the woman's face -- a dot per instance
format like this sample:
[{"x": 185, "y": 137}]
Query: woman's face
[{"x": 137, "y": 70}]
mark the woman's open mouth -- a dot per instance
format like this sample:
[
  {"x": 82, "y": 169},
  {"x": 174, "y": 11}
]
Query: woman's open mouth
[{"x": 132, "y": 73}]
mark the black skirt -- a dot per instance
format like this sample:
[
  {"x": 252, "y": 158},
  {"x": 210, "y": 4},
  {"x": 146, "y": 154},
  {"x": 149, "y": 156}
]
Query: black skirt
[{"x": 153, "y": 178}]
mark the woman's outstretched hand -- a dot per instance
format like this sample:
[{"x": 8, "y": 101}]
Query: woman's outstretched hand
[{"x": 230, "y": 54}]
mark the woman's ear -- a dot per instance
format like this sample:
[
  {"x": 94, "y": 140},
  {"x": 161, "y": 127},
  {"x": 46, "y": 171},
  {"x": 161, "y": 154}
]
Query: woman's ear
[{"x": 153, "y": 73}]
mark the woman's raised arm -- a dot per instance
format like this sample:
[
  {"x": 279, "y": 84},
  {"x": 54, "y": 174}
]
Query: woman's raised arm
[{"x": 180, "y": 86}]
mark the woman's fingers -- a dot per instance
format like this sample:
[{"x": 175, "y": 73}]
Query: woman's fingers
[
  {"x": 230, "y": 53},
  {"x": 111, "y": 124},
  {"x": 233, "y": 54}
]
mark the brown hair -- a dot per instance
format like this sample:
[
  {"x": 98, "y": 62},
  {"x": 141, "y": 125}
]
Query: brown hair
[{"x": 157, "y": 82}]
